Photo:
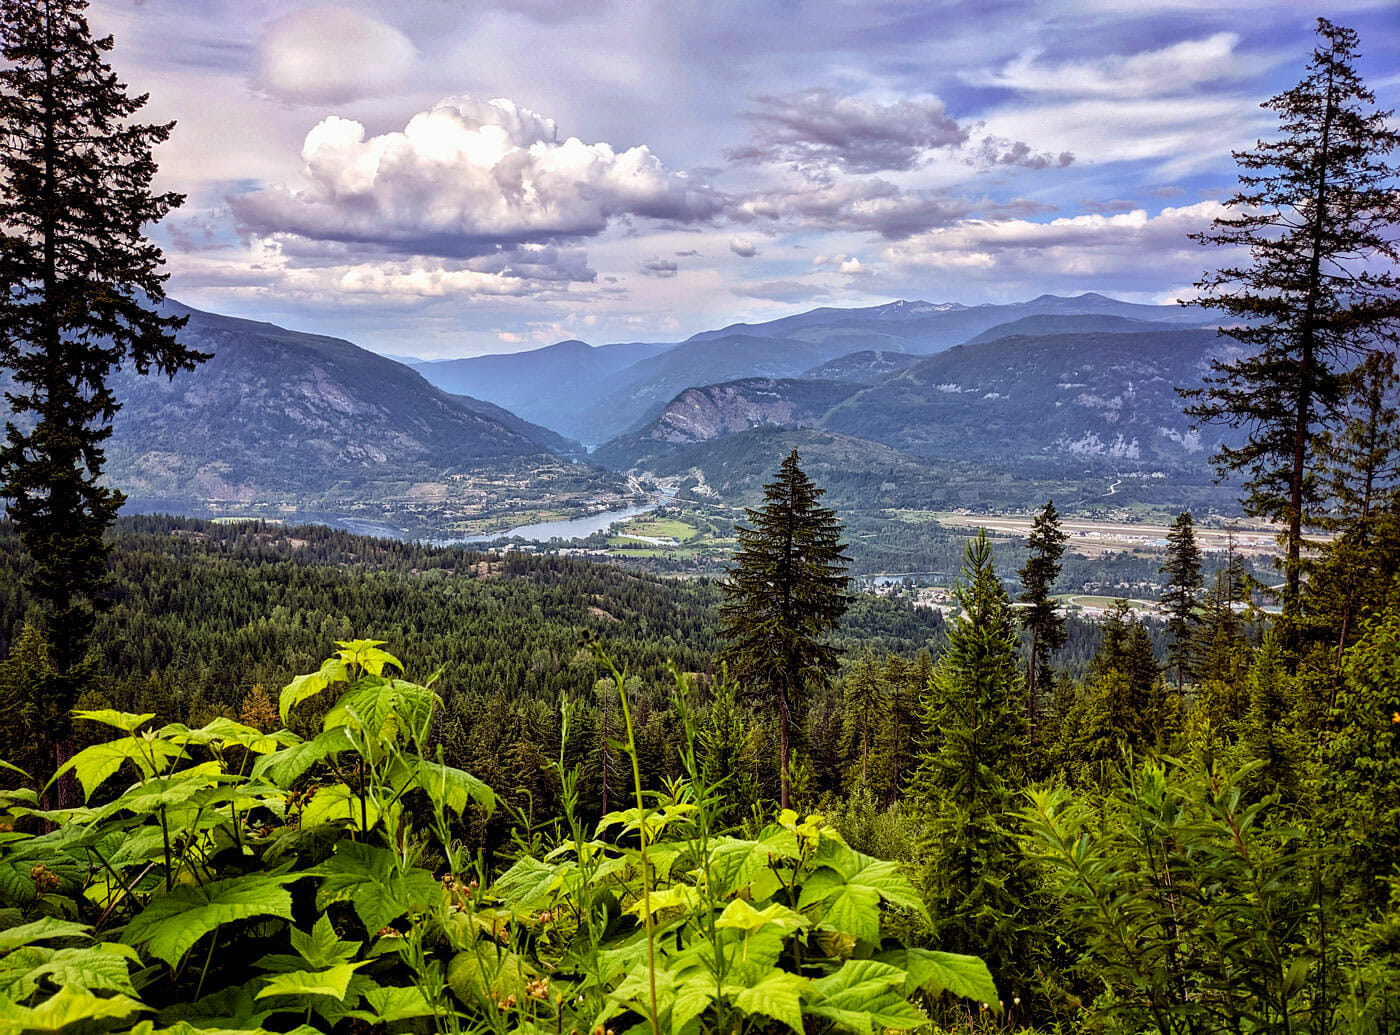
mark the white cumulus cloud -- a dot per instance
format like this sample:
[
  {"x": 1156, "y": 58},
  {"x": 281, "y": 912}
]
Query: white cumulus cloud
[{"x": 464, "y": 177}]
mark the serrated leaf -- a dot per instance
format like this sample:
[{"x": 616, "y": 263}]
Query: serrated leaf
[
  {"x": 936, "y": 972},
  {"x": 304, "y": 687},
  {"x": 88, "y": 968},
  {"x": 850, "y": 908},
  {"x": 850, "y": 886},
  {"x": 776, "y": 994},
  {"x": 41, "y": 930},
  {"x": 322, "y": 947},
  {"x": 222, "y": 730},
  {"x": 487, "y": 974},
  {"x": 383, "y": 709},
  {"x": 367, "y": 655},
  {"x": 336, "y": 803},
  {"x": 69, "y": 1006},
  {"x": 528, "y": 882},
  {"x": 333, "y": 981},
  {"x": 388, "y": 1005},
  {"x": 680, "y": 896},
  {"x": 171, "y": 923},
  {"x": 454, "y": 788},
  {"x": 735, "y": 863},
  {"x": 96, "y": 764},
  {"x": 127, "y": 722},
  {"x": 366, "y": 877},
  {"x": 865, "y": 994},
  {"x": 284, "y": 767},
  {"x": 742, "y": 916}
]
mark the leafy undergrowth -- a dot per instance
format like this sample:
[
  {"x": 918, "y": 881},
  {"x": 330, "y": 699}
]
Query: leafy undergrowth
[{"x": 251, "y": 881}]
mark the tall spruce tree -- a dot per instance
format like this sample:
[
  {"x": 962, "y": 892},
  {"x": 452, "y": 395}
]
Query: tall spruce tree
[
  {"x": 78, "y": 281},
  {"x": 1363, "y": 513},
  {"x": 785, "y": 591},
  {"x": 1040, "y": 615},
  {"x": 970, "y": 778},
  {"x": 1184, "y": 582},
  {"x": 1317, "y": 212}
]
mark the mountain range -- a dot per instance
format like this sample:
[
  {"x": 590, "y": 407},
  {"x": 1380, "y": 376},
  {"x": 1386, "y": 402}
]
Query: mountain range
[
  {"x": 910, "y": 404},
  {"x": 596, "y": 395},
  {"x": 280, "y": 421}
]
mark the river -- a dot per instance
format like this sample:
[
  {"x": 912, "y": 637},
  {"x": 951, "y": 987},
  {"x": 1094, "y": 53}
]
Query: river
[{"x": 569, "y": 528}]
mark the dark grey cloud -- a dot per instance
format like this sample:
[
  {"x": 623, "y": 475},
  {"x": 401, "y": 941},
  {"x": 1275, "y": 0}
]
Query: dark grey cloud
[
  {"x": 873, "y": 205},
  {"x": 821, "y": 127},
  {"x": 1110, "y": 206},
  {"x": 659, "y": 268},
  {"x": 743, "y": 247},
  {"x": 997, "y": 151}
]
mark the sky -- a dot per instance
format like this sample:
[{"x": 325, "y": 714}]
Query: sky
[{"x": 441, "y": 178}]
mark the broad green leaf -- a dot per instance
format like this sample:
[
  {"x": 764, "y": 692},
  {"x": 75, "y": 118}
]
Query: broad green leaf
[
  {"x": 94, "y": 765},
  {"x": 383, "y": 709},
  {"x": 529, "y": 882},
  {"x": 141, "y": 847},
  {"x": 225, "y": 731},
  {"x": 862, "y": 994},
  {"x": 741, "y": 916},
  {"x": 69, "y": 1006},
  {"x": 366, "y": 877},
  {"x": 335, "y": 803},
  {"x": 850, "y": 908},
  {"x": 388, "y": 1005},
  {"x": 367, "y": 655},
  {"x": 693, "y": 997},
  {"x": 322, "y": 947},
  {"x": 168, "y": 792},
  {"x": 680, "y": 896},
  {"x": 88, "y": 968},
  {"x": 285, "y": 766},
  {"x": 483, "y": 972},
  {"x": 42, "y": 930},
  {"x": 850, "y": 886},
  {"x": 735, "y": 863},
  {"x": 232, "y": 1008},
  {"x": 859, "y": 868},
  {"x": 127, "y": 722},
  {"x": 303, "y": 687},
  {"x": 935, "y": 972},
  {"x": 172, "y": 922},
  {"x": 333, "y": 981},
  {"x": 454, "y": 788},
  {"x": 776, "y": 994}
]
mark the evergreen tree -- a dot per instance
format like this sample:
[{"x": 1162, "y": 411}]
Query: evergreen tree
[
  {"x": 77, "y": 285},
  {"x": 785, "y": 591},
  {"x": 1363, "y": 479},
  {"x": 1184, "y": 581},
  {"x": 1316, "y": 211},
  {"x": 971, "y": 774},
  {"x": 862, "y": 698},
  {"x": 1047, "y": 626}
]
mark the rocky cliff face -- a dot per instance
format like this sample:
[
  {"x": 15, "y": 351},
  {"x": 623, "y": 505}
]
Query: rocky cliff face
[{"x": 701, "y": 414}]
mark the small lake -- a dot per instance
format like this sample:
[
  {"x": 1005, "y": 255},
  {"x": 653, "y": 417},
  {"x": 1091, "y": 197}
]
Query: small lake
[{"x": 570, "y": 528}]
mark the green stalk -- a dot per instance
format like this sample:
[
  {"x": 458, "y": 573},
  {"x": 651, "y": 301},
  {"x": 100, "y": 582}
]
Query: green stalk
[{"x": 642, "y": 833}]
